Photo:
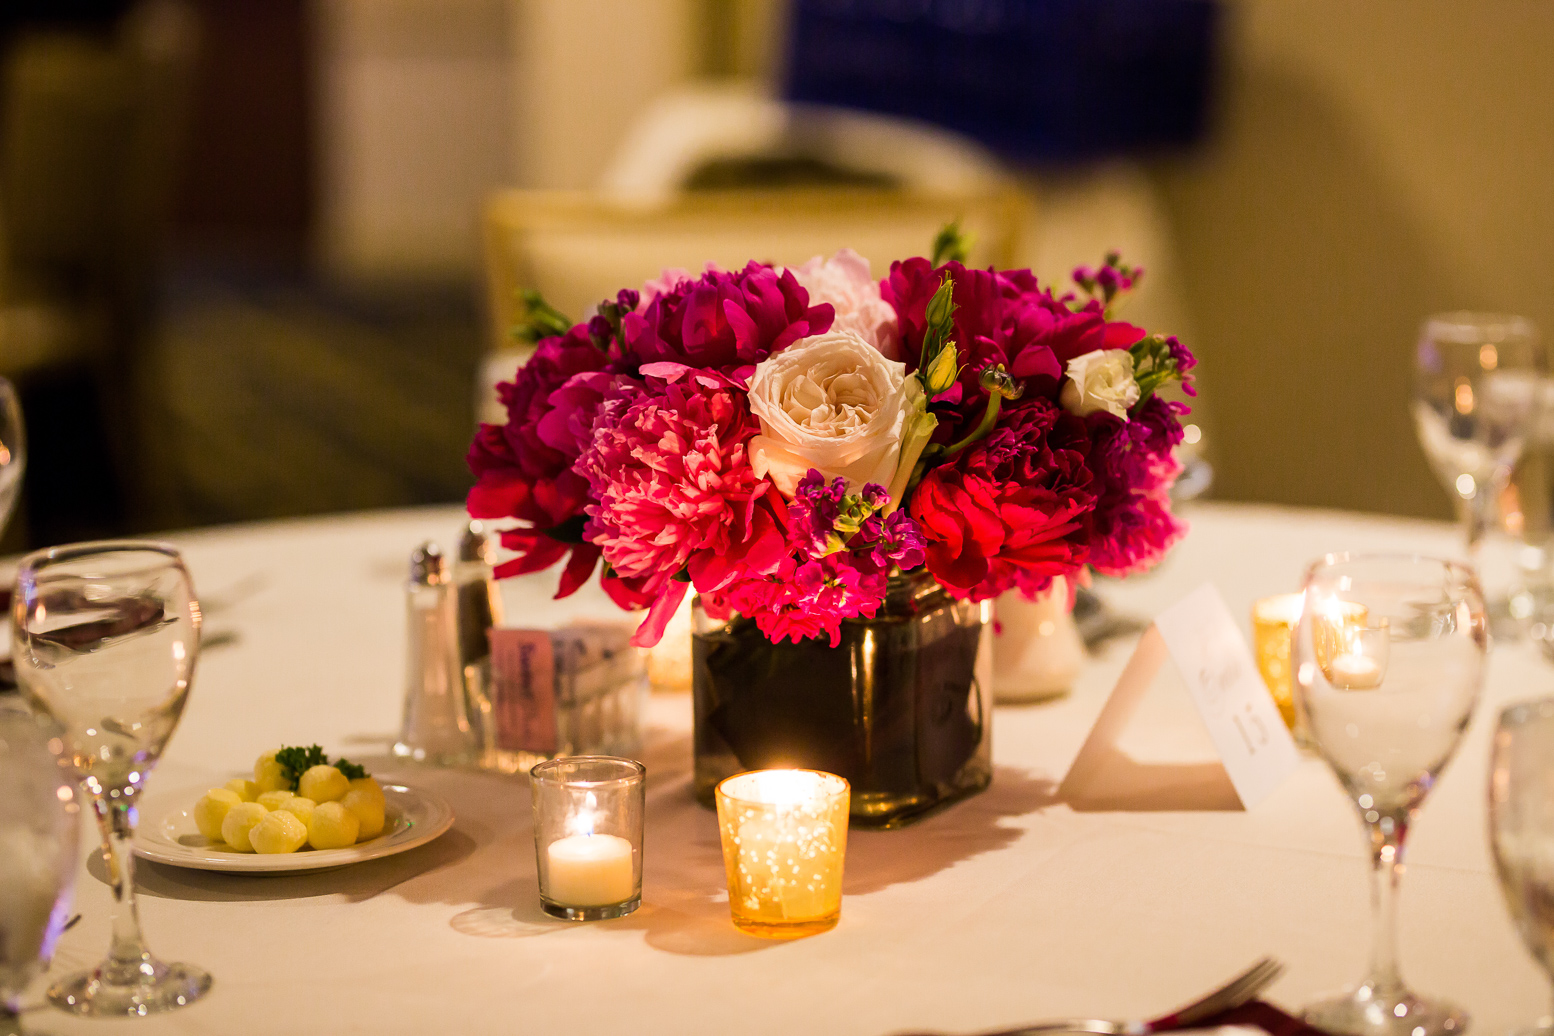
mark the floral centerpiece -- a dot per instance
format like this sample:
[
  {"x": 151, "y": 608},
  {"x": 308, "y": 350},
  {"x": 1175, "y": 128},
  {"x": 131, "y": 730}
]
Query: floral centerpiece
[{"x": 815, "y": 452}]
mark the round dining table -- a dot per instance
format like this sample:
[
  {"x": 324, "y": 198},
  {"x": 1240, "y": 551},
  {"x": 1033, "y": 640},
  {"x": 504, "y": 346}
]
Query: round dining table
[{"x": 1011, "y": 906}]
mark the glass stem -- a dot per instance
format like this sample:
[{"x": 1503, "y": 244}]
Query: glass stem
[
  {"x": 1477, "y": 515},
  {"x": 129, "y": 962},
  {"x": 1386, "y": 872}
]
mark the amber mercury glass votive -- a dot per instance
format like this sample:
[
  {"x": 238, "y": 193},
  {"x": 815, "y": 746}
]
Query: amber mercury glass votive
[
  {"x": 1273, "y": 620},
  {"x": 784, "y": 842}
]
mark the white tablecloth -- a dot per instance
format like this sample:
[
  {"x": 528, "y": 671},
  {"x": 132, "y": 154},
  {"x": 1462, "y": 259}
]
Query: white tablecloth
[{"x": 1009, "y": 907}]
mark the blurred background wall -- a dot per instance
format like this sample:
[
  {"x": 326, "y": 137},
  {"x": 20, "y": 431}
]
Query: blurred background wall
[{"x": 268, "y": 297}]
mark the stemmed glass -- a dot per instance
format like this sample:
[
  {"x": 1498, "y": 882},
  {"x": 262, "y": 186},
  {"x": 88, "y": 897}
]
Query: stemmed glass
[
  {"x": 1476, "y": 396},
  {"x": 38, "y": 831},
  {"x": 1521, "y": 827},
  {"x": 1388, "y": 660},
  {"x": 105, "y": 637}
]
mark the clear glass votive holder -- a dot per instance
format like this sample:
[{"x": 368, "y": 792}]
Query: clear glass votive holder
[
  {"x": 784, "y": 844},
  {"x": 588, "y": 835}
]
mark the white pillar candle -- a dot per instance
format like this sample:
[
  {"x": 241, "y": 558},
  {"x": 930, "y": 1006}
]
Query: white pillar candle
[{"x": 589, "y": 870}]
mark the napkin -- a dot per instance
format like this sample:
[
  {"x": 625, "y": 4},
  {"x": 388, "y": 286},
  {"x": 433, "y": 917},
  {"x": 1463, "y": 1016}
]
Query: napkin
[{"x": 1260, "y": 1014}]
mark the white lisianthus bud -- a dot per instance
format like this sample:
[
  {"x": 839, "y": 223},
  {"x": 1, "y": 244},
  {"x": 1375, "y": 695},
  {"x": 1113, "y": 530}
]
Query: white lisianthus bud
[{"x": 1100, "y": 380}]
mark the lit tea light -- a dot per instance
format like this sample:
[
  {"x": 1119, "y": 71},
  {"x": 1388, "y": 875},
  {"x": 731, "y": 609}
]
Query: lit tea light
[
  {"x": 588, "y": 836},
  {"x": 1353, "y": 672},
  {"x": 784, "y": 844}
]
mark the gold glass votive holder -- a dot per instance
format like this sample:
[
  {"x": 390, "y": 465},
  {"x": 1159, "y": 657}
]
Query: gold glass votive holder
[
  {"x": 1273, "y": 624},
  {"x": 784, "y": 843}
]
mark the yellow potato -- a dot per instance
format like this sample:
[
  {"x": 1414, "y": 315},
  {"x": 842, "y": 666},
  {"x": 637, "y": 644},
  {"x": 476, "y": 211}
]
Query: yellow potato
[
  {"x": 242, "y": 819},
  {"x": 323, "y": 784},
  {"x": 270, "y": 775},
  {"x": 299, "y": 807},
  {"x": 367, "y": 810},
  {"x": 368, "y": 785},
  {"x": 333, "y": 826},
  {"x": 278, "y": 832},
  {"x": 245, "y": 790},
  {"x": 272, "y": 800},
  {"x": 211, "y": 810}
]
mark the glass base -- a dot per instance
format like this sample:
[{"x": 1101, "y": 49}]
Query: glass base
[
  {"x": 787, "y": 929},
  {"x": 594, "y": 913},
  {"x": 1369, "y": 1011},
  {"x": 170, "y": 987}
]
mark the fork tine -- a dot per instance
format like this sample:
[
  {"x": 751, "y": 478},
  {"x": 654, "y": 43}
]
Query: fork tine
[{"x": 1232, "y": 994}]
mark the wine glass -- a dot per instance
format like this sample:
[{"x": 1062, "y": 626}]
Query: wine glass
[
  {"x": 105, "y": 637},
  {"x": 1521, "y": 827},
  {"x": 1388, "y": 660},
  {"x": 1476, "y": 396},
  {"x": 38, "y": 832},
  {"x": 13, "y": 450}
]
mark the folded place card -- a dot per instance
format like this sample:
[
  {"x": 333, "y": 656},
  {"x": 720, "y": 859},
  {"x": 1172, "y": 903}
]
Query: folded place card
[{"x": 1254, "y": 748}]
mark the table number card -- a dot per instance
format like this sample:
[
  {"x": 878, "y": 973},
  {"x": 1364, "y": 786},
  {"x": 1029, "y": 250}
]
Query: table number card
[{"x": 1254, "y": 747}]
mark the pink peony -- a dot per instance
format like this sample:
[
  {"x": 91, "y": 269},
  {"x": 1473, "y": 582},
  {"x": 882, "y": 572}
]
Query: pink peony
[
  {"x": 672, "y": 491},
  {"x": 1012, "y": 510},
  {"x": 844, "y": 281}
]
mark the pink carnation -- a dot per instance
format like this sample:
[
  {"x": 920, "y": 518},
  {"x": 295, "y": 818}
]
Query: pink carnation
[
  {"x": 673, "y": 493},
  {"x": 802, "y": 599}
]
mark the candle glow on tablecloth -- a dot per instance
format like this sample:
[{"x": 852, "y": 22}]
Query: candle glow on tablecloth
[{"x": 784, "y": 845}]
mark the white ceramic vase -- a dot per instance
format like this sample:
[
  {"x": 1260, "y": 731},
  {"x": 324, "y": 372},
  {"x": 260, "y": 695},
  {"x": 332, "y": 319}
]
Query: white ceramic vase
[{"x": 1037, "y": 650}]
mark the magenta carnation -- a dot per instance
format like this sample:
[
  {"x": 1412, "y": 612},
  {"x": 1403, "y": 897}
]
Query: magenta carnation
[
  {"x": 1135, "y": 468},
  {"x": 802, "y": 599},
  {"x": 1013, "y": 510},
  {"x": 721, "y": 320}
]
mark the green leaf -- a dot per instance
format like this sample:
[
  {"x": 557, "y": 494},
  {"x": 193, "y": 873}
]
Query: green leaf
[
  {"x": 951, "y": 244},
  {"x": 540, "y": 318},
  {"x": 351, "y": 770},
  {"x": 569, "y": 531}
]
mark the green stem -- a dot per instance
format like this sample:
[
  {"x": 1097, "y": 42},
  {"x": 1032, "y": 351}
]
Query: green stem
[{"x": 989, "y": 416}]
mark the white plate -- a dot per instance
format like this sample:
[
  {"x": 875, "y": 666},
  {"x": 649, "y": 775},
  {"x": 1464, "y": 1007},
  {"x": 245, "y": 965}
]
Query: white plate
[{"x": 411, "y": 818}]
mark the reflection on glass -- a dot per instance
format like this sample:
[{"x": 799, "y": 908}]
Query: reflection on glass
[{"x": 1521, "y": 828}]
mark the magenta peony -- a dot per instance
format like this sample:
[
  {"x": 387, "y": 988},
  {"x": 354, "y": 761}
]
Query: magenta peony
[{"x": 721, "y": 321}]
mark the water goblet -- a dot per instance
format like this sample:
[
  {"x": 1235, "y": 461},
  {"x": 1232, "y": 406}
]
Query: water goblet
[
  {"x": 38, "y": 832},
  {"x": 105, "y": 637},
  {"x": 1388, "y": 661},
  {"x": 1521, "y": 828},
  {"x": 1476, "y": 398}
]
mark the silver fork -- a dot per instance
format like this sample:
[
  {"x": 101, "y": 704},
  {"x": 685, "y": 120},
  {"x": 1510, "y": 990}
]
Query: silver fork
[{"x": 1232, "y": 994}]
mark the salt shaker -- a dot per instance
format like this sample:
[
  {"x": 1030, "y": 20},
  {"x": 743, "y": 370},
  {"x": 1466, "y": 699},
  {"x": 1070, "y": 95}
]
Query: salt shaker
[
  {"x": 479, "y": 608},
  {"x": 437, "y": 727}
]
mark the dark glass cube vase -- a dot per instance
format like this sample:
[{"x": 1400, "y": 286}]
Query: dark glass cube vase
[{"x": 902, "y": 707}]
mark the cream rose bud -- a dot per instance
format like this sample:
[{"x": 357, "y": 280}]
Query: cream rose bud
[
  {"x": 845, "y": 282},
  {"x": 829, "y": 402},
  {"x": 1102, "y": 380}
]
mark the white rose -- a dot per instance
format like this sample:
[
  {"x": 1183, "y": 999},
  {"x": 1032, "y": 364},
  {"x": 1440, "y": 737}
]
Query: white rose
[
  {"x": 845, "y": 282},
  {"x": 829, "y": 402},
  {"x": 1102, "y": 380}
]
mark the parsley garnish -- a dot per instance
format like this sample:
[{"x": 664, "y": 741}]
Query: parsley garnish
[{"x": 297, "y": 761}]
